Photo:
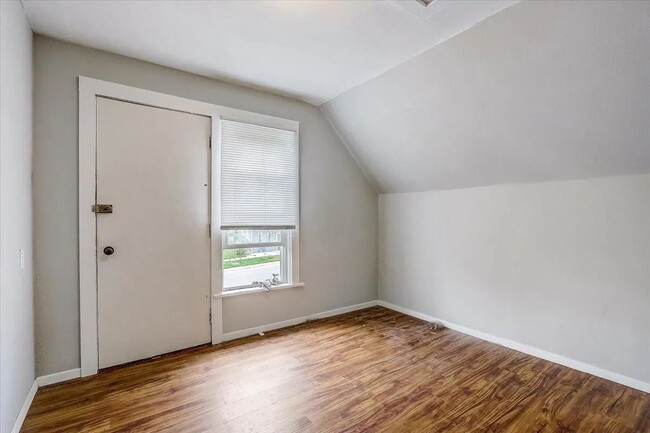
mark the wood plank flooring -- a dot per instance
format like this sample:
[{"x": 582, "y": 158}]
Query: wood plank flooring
[{"x": 373, "y": 370}]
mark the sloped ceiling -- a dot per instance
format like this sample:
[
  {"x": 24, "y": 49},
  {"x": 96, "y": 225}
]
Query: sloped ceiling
[
  {"x": 310, "y": 50},
  {"x": 540, "y": 91}
]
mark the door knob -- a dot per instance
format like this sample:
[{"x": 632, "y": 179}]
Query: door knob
[{"x": 109, "y": 250}]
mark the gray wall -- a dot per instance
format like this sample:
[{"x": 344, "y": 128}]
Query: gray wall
[
  {"x": 540, "y": 91},
  {"x": 560, "y": 266},
  {"x": 16, "y": 294},
  {"x": 338, "y": 214}
]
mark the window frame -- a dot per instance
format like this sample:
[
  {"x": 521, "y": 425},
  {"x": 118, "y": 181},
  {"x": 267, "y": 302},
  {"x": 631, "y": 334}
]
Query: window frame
[
  {"x": 285, "y": 256},
  {"x": 291, "y": 262}
]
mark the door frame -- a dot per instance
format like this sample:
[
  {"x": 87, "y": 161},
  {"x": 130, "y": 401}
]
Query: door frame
[{"x": 89, "y": 90}]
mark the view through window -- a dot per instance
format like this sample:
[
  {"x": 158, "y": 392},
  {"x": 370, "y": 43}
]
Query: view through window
[{"x": 251, "y": 256}]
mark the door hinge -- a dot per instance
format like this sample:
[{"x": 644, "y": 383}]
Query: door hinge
[
  {"x": 210, "y": 230},
  {"x": 210, "y": 142},
  {"x": 210, "y": 317}
]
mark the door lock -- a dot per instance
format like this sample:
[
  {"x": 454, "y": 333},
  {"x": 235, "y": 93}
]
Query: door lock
[
  {"x": 109, "y": 250},
  {"x": 102, "y": 208}
]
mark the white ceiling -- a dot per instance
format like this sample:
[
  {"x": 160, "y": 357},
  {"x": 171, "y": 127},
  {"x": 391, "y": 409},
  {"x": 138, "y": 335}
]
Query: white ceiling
[
  {"x": 311, "y": 50},
  {"x": 541, "y": 91}
]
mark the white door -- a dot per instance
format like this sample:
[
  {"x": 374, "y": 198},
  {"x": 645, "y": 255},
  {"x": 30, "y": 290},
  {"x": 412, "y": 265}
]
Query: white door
[{"x": 154, "y": 285}]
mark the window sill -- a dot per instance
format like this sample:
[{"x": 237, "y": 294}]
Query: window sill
[{"x": 252, "y": 290}]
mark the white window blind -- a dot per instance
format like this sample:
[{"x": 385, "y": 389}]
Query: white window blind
[{"x": 259, "y": 170}]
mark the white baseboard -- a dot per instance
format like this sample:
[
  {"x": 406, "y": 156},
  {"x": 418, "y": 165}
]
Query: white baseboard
[
  {"x": 76, "y": 372},
  {"x": 530, "y": 350},
  {"x": 291, "y": 322},
  {"x": 58, "y": 377},
  {"x": 42, "y": 381},
  {"x": 23, "y": 410}
]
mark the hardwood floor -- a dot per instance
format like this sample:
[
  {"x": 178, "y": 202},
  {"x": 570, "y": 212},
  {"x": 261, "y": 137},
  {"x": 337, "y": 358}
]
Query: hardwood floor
[{"x": 372, "y": 370}]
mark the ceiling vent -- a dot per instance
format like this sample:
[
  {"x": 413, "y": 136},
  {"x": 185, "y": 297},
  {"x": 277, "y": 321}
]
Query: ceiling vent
[{"x": 422, "y": 8}]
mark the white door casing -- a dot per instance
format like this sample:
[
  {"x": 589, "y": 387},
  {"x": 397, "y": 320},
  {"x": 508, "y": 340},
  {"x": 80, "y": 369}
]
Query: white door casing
[
  {"x": 90, "y": 92},
  {"x": 154, "y": 289}
]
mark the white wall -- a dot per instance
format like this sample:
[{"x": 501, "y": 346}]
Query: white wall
[
  {"x": 16, "y": 295},
  {"x": 338, "y": 208},
  {"x": 560, "y": 266}
]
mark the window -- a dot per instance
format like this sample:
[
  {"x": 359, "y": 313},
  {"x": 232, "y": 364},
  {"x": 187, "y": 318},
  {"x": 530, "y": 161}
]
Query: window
[
  {"x": 251, "y": 256},
  {"x": 259, "y": 205}
]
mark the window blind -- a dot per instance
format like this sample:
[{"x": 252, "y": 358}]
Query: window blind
[{"x": 259, "y": 170}]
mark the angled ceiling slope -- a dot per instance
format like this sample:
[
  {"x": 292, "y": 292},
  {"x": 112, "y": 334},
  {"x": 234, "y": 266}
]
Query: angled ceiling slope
[
  {"x": 541, "y": 91},
  {"x": 310, "y": 50}
]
